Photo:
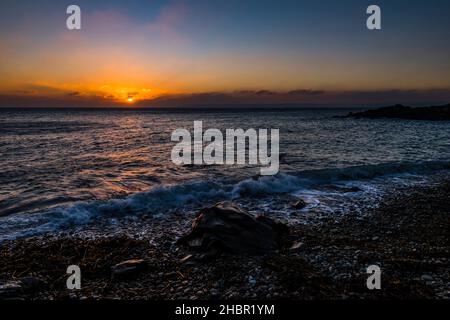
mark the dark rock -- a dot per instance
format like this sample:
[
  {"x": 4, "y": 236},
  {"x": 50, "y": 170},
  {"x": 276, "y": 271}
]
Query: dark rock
[
  {"x": 225, "y": 227},
  {"x": 128, "y": 268},
  {"x": 352, "y": 189},
  {"x": 344, "y": 189},
  {"x": 300, "y": 204},
  {"x": 427, "y": 277},
  {"x": 32, "y": 284},
  {"x": 404, "y": 112},
  {"x": 279, "y": 228}
]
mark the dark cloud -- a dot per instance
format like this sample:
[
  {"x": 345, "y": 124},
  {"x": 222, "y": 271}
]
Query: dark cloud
[
  {"x": 238, "y": 98},
  {"x": 55, "y": 101},
  {"x": 305, "y": 92},
  {"x": 301, "y": 96},
  {"x": 265, "y": 93}
]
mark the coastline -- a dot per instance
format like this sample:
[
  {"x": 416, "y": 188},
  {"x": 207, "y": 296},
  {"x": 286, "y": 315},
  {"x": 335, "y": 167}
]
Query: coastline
[{"x": 407, "y": 236}]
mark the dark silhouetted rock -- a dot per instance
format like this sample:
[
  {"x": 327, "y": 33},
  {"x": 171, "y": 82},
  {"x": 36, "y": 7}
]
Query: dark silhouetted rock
[
  {"x": 344, "y": 189},
  {"x": 32, "y": 284},
  {"x": 128, "y": 268},
  {"x": 225, "y": 227},
  {"x": 404, "y": 112},
  {"x": 300, "y": 204},
  {"x": 351, "y": 189}
]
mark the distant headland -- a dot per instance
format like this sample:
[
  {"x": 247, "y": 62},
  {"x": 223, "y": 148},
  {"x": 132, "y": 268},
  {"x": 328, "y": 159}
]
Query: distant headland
[{"x": 399, "y": 111}]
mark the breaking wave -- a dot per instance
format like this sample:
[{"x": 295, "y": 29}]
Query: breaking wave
[{"x": 162, "y": 200}]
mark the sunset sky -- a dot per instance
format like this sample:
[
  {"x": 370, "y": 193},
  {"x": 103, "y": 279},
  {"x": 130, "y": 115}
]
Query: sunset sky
[{"x": 157, "y": 53}]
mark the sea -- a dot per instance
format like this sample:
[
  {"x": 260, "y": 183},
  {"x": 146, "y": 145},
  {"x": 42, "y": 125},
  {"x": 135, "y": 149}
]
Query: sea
[{"x": 69, "y": 169}]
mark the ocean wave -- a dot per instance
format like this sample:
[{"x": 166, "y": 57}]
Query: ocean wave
[
  {"x": 155, "y": 201},
  {"x": 375, "y": 170},
  {"x": 160, "y": 200},
  {"x": 283, "y": 183}
]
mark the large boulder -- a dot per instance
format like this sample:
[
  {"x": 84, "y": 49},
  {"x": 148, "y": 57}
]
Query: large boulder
[{"x": 225, "y": 227}]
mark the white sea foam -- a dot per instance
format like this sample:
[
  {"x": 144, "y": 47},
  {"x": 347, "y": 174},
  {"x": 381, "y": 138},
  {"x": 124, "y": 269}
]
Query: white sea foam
[{"x": 160, "y": 200}]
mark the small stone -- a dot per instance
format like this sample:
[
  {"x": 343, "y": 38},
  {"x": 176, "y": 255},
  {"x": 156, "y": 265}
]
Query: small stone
[
  {"x": 296, "y": 246},
  {"x": 73, "y": 295},
  {"x": 189, "y": 259},
  {"x": 427, "y": 277},
  {"x": 300, "y": 204},
  {"x": 171, "y": 274},
  {"x": 352, "y": 189},
  {"x": 251, "y": 280},
  {"x": 214, "y": 293},
  {"x": 128, "y": 267}
]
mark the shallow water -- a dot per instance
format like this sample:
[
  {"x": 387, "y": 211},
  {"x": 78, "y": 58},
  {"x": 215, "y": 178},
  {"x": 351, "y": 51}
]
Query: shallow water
[{"x": 63, "y": 168}]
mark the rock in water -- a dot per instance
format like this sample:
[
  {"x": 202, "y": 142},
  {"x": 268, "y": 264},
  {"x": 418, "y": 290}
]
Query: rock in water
[
  {"x": 127, "y": 268},
  {"x": 225, "y": 227},
  {"x": 300, "y": 204}
]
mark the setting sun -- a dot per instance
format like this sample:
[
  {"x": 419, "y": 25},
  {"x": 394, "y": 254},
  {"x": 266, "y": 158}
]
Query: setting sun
[{"x": 130, "y": 99}]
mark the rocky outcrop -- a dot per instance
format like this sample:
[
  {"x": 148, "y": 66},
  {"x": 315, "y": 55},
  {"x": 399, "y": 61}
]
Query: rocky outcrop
[
  {"x": 225, "y": 227},
  {"x": 399, "y": 111}
]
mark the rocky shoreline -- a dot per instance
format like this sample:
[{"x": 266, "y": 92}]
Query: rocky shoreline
[
  {"x": 398, "y": 111},
  {"x": 407, "y": 236}
]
